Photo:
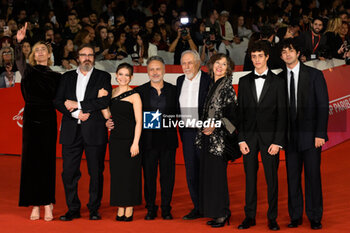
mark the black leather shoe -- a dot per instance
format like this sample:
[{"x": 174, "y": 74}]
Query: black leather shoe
[
  {"x": 247, "y": 222},
  {"x": 295, "y": 223},
  {"x": 120, "y": 218},
  {"x": 211, "y": 222},
  {"x": 150, "y": 215},
  {"x": 220, "y": 222},
  {"x": 69, "y": 216},
  {"x": 273, "y": 225},
  {"x": 167, "y": 216},
  {"x": 194, "y": 214},
  {"x": 94, "y": 215},
  {"x": 316, "y": 225}
]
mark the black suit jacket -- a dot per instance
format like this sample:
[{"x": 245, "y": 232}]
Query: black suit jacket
[
  {"x": 93, "y": 130},
  {"x": 312, "y": 106},
  {"x": 170, "y": 140},
  {"x": 266, "y": 119},
  {"x": 204, "y": 83}
]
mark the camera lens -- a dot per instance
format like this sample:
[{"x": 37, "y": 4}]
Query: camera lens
[{"x": 184, "y": 32}]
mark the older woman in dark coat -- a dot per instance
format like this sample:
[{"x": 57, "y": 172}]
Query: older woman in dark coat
[{"x": 220, "y": 105}]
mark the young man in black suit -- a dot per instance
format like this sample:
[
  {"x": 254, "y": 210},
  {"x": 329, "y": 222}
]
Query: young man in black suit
[
  {"x": 192, "y": 89},
  {"x": 307, "y": 133},
  {"x": 83, "y": 129},
  {"x": 158, "y": 145},
  {"x": 263, "y": 118}
]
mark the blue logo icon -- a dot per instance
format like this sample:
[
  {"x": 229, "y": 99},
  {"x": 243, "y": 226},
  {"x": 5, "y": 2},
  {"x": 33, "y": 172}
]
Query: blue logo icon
[{"x": 151, "y": 120}]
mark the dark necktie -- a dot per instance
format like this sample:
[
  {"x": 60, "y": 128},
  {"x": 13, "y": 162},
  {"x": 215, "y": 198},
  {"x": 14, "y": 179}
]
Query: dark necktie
[
  {"x": 292, "y": 102},
  {"x": 259, "y": 76}
]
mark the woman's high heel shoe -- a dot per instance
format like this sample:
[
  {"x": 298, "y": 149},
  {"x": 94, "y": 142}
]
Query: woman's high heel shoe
[
  {"x": 220, "y": 222},
  {"x": 211, "y": 222},
  {"x": 35, "y": 215},
  {"x": 48, "y": 213},
  {"x": 120, "y": 218},
  {"x": 130, "y": 218}
]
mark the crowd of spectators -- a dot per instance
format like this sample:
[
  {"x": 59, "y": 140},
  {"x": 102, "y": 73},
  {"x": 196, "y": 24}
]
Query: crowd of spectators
[{"x": 138, "y": 29}]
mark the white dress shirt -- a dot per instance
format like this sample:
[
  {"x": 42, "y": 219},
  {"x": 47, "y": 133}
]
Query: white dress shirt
[
  {"x": 295, "y": 70},
  {"x": 259, "y": 83},
  {"x": 189, "y": 98},
  {"x": 82, "y": 82}
]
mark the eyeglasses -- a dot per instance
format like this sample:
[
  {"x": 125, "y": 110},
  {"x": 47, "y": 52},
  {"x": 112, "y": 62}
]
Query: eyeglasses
[
  {"x": 6, "y": 53},
  {"x": 40, "y": 49},
  {"x": 85, "y": 55}
]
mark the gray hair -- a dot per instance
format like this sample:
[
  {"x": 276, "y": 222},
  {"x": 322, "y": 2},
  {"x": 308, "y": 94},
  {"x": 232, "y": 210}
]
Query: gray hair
[
  {"x": 155, "y": 58},
  {"x": 194, "y": 53}
]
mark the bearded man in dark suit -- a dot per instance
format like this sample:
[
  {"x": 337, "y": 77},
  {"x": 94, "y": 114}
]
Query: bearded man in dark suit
[{"x": 83, "y": 129}]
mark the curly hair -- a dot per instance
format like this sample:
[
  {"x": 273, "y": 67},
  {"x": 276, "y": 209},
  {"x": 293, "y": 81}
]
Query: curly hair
[{"x": 219, "y": 56}]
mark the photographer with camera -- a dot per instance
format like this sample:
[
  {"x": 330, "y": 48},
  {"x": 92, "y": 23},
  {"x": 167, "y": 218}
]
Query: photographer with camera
[
  {"x": 210, "y": 45},
  {"x": 49, "y": 40},
  {"x": 183, "y": 41}
]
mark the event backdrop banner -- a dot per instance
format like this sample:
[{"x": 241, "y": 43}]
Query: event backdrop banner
[{"x": 337, "y": 78}]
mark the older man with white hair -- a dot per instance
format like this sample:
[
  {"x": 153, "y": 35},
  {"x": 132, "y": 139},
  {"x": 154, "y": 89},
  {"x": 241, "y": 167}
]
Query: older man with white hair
[{"x": 192, "y": 89}]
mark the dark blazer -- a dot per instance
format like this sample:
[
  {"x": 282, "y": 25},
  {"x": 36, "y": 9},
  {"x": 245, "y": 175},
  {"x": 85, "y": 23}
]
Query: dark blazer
[
  {"x": 204, "y": 83},
  {"x": 312, "y": 106},
  {"x": 93, "y": 130},
  {"x": 267, "y": 118},
  {"x": 171, "y": 140},
  {"x": 305, "y": 42}
]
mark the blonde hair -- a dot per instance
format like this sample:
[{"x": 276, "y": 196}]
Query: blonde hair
[
  {"x": 31, "y": 55},
  {"x": 334, "y": 25}
]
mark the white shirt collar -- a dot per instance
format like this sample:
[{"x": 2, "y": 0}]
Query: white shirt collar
[
  {"x": 295, "y": 69},
  {"x": 263, "y": 73}
]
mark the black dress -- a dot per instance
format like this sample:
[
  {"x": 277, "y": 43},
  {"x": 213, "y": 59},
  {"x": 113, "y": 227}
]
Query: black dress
[
  {"x": 214, "y": 200},
  {"x": 125, "y": 170},
  {"x": 38, "y": 168}
]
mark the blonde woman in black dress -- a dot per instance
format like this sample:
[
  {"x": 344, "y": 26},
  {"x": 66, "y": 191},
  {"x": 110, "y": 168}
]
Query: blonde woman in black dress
[
  {"x": 125, "y": 161},
  {"x": 38, "y": 168}
]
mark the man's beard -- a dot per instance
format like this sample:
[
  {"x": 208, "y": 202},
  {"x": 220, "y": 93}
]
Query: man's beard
[
  {"x": 189, "y": 76},
  {"x": 315, "y": 32},
  {"x": 86, "y": 66}
]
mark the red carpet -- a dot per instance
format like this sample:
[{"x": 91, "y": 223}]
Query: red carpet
[{"x": 336, "y": 190}]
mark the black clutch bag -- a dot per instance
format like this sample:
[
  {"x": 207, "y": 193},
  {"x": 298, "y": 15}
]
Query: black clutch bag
[{"x": 231, "y": 151}]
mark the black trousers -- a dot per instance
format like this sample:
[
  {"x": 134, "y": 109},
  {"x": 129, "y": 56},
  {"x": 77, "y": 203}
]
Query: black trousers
[
  {"x": 71, "y": 174},
  {"x": 251, "y": 166},
  {"x": 192, "y": 164},
  {"x": 311, "y": 160},
  {"x": 166, "y": 160}
]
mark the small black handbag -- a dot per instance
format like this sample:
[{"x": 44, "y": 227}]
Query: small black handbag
[{"x": 231, "y": 150}]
